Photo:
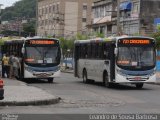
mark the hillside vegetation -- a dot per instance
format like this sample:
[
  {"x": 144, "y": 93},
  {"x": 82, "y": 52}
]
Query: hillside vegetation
[{"x": 21, "y": 9}]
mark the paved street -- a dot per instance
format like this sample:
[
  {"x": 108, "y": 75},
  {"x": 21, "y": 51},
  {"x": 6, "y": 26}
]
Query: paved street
[{"x": 78, "y": 97}]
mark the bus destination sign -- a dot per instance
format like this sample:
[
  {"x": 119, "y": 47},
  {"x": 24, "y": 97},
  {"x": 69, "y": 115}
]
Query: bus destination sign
[
  {"x": 135, "y": 41},
  {"x": 41, "y": 42}
]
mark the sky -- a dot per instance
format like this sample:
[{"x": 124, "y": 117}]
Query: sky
[{"x": 7, "y": 3}]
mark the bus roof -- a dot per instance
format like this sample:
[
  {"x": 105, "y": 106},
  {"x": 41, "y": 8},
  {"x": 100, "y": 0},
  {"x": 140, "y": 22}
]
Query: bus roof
[
  {"x": 94, "y": 40},
  {"x": 24, "y": 39},
  {"x": 111, "y": 39}
]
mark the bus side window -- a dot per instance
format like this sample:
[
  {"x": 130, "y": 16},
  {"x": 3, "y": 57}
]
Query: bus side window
[
  {"x": 86, "y": 51},
  {"x": 79, "y": 51},
  {"x": 93, "y": 51},
  {"x": 105, "y": 55},
  {"x": 90, "y": 51},
  {"x": 122, "y": 58},
  {"x": 76, "y": 52},
  {"x": 106, "y": 52}
]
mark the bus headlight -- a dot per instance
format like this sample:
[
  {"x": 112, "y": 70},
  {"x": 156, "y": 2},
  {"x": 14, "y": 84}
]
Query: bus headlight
[
  {"x": 28, "y": 69},
  {"x": 119, "y": 71},
  {"x": 153, "y": 73}
]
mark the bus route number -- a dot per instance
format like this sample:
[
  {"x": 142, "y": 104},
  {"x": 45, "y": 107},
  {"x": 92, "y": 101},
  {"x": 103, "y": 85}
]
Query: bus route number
[
  {"x": 135, "y": 41},
  {"x": 41, "y": 42}
]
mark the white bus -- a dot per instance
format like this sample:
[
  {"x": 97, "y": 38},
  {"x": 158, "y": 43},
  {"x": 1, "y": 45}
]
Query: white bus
[
  {"x": 116, "y": 60},
  {"x": 39, "y": 57}
]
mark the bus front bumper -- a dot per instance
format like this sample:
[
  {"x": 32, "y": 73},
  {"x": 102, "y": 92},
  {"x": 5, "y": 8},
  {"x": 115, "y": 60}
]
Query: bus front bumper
[
  {"x": 135, "y": 79},
  {"x": 41, "y": 74}
]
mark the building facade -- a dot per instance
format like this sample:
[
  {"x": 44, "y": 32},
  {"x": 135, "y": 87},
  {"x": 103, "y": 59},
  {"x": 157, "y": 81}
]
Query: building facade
[
  {"x": 63, "y": 18},
  {"x": 137, "y": 16},
  {"x": 104, "y": 17}
]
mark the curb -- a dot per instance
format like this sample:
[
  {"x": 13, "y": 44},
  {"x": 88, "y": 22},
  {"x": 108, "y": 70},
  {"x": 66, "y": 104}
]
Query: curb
[
  {"x": 27, "y": 103},
  {"x": 66, "y": 71}
]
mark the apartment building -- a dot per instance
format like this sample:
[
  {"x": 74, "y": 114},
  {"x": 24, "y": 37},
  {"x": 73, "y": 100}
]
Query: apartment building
[
  {"x": 138, "y": 16},
  {"x": 63, "y": 18},
  {"x": 104, "y": 16}
]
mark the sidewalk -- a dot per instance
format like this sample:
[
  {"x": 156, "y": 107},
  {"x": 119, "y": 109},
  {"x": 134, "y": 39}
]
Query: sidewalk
[
  {"x": 17, "y": 93},
  {"x": 68, "y": 70}
]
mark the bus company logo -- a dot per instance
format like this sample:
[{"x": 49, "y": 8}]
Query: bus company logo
[{"x": 9, "y": 117}]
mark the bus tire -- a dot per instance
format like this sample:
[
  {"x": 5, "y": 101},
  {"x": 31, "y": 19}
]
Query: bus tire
[
  {"x": 139, "y": 85},
  {"x": 106, "y": 80},
  {"x": 85, "y": 78},
  {"x": 50, "y": 80}
]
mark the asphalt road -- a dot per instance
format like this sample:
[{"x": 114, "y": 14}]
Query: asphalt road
[{"x": 80, "y": 98}]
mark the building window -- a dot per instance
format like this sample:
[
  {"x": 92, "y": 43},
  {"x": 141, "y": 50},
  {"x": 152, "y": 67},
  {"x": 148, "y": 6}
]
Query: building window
[
  {"x": 83, "y": 32},
  {"x": 84, "y": 7},
  {"x": 42, "y": 22},
  {"x": 102, "y": 28},
  {"x": 96, "y": 13},
  {"x": 102, "y": 11},
  {"x": 57, "y": 8},
  {"x": 45, "y": 23},
  {"x": 135, "y": 7},
  {"x": 42, "y": 11},
  {"x": 50, "y": 9},
  {"x": 46, "y": 10},
  {"x": 53, "y": 8},
  {"x": 84, "y": 19},
  {"x": 39, "y": 11}
]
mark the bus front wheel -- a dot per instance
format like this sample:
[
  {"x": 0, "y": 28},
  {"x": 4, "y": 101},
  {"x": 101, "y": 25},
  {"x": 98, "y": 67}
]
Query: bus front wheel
[
  {"x": 139, "y": 85},
  {"x": 85, "y": 79},
  {"x": 50, "y": 80}
]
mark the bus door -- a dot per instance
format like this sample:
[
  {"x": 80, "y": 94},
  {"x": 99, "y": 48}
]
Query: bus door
[
  {"x": 76, "y": 57},
  {"x": 112, "y": 61}
]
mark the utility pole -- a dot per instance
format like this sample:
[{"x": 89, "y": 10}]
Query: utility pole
[
  {"x": 0, "y": 12},
  {"x": 118, "y": 18},
  {"x": 36, "y": 25}
]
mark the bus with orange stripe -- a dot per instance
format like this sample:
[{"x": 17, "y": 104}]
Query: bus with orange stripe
[
  {"x": 125, "y": 59},
  {"x": 39, "y": 57}
]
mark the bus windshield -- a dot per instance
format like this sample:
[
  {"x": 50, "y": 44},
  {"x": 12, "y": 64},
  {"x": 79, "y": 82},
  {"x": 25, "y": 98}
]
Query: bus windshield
[
  {"x": 42, "y": 55},
  {"x": 136, "y": 57}
]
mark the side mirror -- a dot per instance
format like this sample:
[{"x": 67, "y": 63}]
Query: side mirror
[
  {"x": 156, "y": 52},
  {"x": 116, "y": 51},
  {"x": 23, "y": 50}
]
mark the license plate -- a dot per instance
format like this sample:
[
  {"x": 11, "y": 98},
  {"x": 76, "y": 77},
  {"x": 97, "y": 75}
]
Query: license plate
[{"x": 137, "y": 78}]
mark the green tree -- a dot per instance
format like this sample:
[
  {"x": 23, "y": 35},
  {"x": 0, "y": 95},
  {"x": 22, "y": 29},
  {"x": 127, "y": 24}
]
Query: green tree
[
  {"x": 81, "y": 37},
  {"x": 29, "y": 28},
  {"x": 158, "y": 28},
  {"x": 67, "y": 44},
  {"x": 156, "y": 36},
  {"x": 98, "y": 34},
  {"x": 21, "y": 9}
]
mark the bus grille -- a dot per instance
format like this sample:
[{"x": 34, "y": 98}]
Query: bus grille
[{"x": 42, "y": 74}]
